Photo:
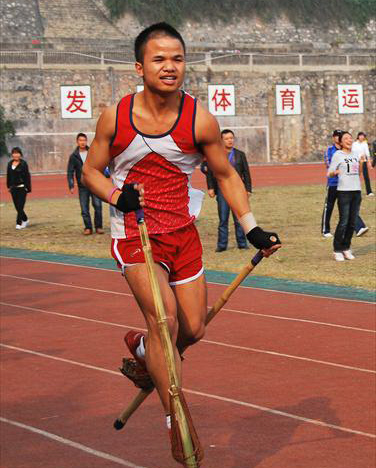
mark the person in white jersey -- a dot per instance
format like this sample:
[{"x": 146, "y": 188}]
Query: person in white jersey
[
  {"x": 360, "y": 148},
  {"x": 346, "y": 165}
]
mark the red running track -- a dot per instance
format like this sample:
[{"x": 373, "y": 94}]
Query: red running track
[
  {"x": 55, "y": 186},
  {"x": 279, "y": 381}
]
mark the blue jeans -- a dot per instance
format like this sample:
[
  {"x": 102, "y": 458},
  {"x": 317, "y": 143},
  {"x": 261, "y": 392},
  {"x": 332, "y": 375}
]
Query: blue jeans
[
  {"x": 348, "y": 206},
  {"x": 223, "y": 214},
  {"x": 84, "y": 195},
  {"x": 330, "y": 201}
]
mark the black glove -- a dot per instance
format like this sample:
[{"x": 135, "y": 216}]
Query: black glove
[
  {"x": 129, "y": 199},
  {"x": 262, "y": 239}
]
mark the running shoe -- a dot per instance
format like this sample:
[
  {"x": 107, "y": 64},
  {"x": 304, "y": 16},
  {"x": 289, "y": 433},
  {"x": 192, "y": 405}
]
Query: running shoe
[{"x": 132, "y": 340}]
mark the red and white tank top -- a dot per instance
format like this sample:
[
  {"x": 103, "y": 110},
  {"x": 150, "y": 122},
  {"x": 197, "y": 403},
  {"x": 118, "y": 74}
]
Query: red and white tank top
[{"x": 163, "y": 163}]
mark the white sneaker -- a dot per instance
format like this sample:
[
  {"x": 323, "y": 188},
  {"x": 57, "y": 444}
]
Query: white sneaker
[
  {"x": 348, "y": 255},
  {"x": 362, "y": 231},
  {"x": 338, "y": 257},
  {"x": 19, "y": 226},
  {"x": 370, "y": 194},
  {"x": 327, "y": 235},
  {"x": 25, "y": 223}
]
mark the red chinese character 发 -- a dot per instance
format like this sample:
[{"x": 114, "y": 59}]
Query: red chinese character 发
[
  {"x": 352, "y": 96},
  {"x": 77, "y": 101},
  {"x": 288, "y": 97},
  {"x": 222, "y": 99}
]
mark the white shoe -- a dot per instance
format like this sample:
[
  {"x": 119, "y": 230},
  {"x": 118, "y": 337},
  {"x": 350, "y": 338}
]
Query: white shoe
[
  {"x": 370, "y": 194},
  {"x": 338, "y": 257},
  {"x": 327, "y": 235},
  {"x": 362, "y": 231},
  {"x": 19, "y": 226},
  {"x": 25, "y": 223},
  {"x": 348, "y": 255}
]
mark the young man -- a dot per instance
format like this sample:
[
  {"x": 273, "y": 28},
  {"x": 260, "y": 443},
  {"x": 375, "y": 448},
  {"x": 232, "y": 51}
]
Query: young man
[
  {"x": 331, "y": 193},
  {"x": 152, "y": 141},
  {"x": 239, "y": 161},
  {"x": 76, "y": 161}
]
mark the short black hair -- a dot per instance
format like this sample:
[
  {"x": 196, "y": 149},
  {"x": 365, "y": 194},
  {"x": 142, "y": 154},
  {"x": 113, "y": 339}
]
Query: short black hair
[
  {"x": 361, "y": 133},
  {"x": 227, "y": 130},
  {"x": 163, "y": 29},
  {"x": 81, "y": 135},
  {"x": 16, "y": 149},
  {"x": 337, "y": 133}
]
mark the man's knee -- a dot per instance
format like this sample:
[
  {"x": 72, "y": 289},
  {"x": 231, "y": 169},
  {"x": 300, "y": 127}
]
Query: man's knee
[
  {"x": 194, "y": 333},
  {"x": 171, "y": 322}
]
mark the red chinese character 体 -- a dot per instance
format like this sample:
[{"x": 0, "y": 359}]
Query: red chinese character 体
[
  {"x": 77, "y": 101},
  {"x": 350, "y": 98},
  {"x": 220, "y": 100},
  {"x": 288, "y": 98}
]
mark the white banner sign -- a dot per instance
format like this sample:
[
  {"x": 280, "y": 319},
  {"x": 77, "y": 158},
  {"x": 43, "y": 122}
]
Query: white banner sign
[
  {"x": 350, "y": 99},
  {"x": 287, "y": 99},
  {"x": 75, "y": 102},
  {"x": 221, "y": 99}
]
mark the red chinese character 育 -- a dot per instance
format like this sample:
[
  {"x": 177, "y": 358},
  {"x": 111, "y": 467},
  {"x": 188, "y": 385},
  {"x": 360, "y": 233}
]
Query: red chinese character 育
[
  {"x": 220, "y": 99},
  {"x": 350, "y": 98},
  {"x": 77, "y": 101},
  {"x": 288, "y": 97}
]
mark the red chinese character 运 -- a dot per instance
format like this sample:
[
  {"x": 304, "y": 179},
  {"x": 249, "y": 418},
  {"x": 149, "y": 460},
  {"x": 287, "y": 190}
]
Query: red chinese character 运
[
  {"x": 220, "y": 99},
  {"x": 77, "y": 101},
  {"x": 350, "y": 98},
  {"x": 288, "y": 97}
]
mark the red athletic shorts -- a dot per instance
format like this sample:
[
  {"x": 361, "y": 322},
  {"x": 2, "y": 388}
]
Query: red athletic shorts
[{"x": 179, "y": 252}]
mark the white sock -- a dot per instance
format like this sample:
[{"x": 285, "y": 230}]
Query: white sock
[
  {"x": 140, "y": 351},
  {"x": 168, "y": 421}
]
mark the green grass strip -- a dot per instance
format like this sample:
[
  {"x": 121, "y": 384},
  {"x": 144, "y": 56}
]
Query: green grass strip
[{"x": 212, "y": 276}]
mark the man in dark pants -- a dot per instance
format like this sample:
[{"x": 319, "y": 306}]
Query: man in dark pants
[
  {"x": 239, "y": 161},
  {"x": 76, "y": 161}
]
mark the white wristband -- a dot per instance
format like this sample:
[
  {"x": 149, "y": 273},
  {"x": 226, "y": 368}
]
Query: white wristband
[{"x": 247, "y": 222}]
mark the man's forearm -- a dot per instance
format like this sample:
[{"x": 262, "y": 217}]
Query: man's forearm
[
  {"x": 97, "y": 183},
  {"x": 235, "y": 194}
]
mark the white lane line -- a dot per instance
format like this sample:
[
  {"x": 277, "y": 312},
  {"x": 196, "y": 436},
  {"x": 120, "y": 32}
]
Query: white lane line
[
  {"x": 277, "y": 317},
  {"x": 207, "y": 395},
  {"x": 217, "y": 343},
  {"x": 209, "y": 282},
  {"x": 292, "y": 319},
  {"x": 71, "y": 443}
]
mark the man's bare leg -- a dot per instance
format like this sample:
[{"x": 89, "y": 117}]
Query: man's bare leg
[
  {"x": 138, "y": 281},
  {"x": 192, "y": 310}
]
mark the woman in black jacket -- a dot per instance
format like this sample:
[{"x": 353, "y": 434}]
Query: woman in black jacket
[{"x": 19, "y": 185}]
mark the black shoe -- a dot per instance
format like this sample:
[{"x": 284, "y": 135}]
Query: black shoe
[
  {"x": 220, "y": 249},
  {"x": 243, "y": 247}
]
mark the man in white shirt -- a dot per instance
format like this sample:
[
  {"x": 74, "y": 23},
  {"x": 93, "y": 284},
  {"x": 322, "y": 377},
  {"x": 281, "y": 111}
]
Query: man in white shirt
[{"x": 360, "y": 148}]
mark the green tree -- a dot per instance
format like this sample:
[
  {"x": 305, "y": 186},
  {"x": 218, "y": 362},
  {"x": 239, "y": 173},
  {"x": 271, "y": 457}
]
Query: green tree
[
  {"x": 299, "y": 11},
  {"x": 6, "y": 130}
]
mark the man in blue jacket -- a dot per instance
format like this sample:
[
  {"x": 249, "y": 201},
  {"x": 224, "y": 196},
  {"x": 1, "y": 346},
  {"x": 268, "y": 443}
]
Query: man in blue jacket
[
  {"x": 331, "y": 194},
  {"x": 239, "y": 161}
]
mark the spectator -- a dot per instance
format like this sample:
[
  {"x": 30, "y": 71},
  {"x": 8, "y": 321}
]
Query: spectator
[
  {"x": 360, "y": 148},
  {"x": 19, "y": 185},
  {"x": 76, "y": 161},
  {"x": 239, "y": 161},
  {"x": 373, "y": 163},
  {"x": 331, "y": 194},
  {"x": 345, "y": 164}
]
